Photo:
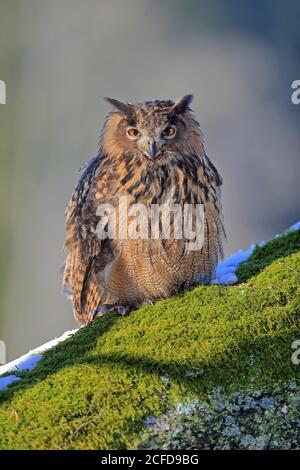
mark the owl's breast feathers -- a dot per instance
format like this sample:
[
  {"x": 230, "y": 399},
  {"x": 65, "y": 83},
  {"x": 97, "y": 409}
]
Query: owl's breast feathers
[{"x": 103, "y": 272}]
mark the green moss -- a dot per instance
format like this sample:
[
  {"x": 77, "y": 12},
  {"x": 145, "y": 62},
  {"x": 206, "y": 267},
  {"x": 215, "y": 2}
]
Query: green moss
[
  {"x": 95, "y": 390},
  {"x": 263, "y": 256}
]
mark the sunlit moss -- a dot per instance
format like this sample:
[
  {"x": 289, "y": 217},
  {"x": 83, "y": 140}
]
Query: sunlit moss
[
  {"x": 279, "y": 247},
  {"x": 97, "y": 389}
]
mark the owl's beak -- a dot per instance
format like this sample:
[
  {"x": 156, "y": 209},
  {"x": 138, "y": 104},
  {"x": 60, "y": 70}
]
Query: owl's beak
[{"x": 152, "y": 148}]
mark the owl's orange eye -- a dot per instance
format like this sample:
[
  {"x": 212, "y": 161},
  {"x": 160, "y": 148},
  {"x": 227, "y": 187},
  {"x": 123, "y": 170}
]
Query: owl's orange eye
[
  {"x": 133, "y": 133},
  {"x": 169, "y": 132}
]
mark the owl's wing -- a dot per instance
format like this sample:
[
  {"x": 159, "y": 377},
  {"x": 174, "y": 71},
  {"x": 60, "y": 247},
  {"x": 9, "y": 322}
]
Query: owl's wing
[
  {"x": 215, "y": 176},
  {"x": 81, "y": 192},
  {"x": 214, "y": 230},
  {"x": 83, "y": 245}
]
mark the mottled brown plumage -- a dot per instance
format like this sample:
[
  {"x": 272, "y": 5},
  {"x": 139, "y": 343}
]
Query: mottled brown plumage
[{"x": 150, "y": 152}]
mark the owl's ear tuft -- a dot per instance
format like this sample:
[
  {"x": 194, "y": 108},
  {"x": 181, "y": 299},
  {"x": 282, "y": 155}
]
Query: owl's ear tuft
[
  {"x": 183, "y": 104},
  {"x": 125, "y": 108}
]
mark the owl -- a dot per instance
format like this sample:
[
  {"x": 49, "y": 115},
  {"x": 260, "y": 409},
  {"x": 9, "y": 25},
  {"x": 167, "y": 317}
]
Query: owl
[{"x": 151, "y": 154}]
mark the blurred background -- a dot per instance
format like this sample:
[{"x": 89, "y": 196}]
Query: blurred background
[{"x": 59, "y": 58}]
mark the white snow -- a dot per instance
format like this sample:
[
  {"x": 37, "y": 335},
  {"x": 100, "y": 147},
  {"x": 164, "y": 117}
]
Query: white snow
[
  {"x": 29, "y": 361},
  {"x": 225, "y": 274},
  {"x": 6, "y": 381},
  {"x": 295, "y": 226}
]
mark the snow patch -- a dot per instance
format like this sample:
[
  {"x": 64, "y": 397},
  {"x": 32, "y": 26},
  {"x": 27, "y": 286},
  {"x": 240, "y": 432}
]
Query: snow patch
[
  {"x": 6, "y": 381},
  {"x": 295, "y": 226},
  {"x": 29, "y": 361},
  {"x": 225, "y": 272}
]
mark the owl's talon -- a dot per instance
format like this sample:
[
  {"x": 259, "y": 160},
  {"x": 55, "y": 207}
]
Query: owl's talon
[
  {"x": 99, "y": 311},
  {"x": 147, "y": 302},
  {"x": 122, "y": 310}
]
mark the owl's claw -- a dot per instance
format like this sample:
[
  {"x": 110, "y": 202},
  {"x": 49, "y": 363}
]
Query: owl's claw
[
  {"x": 99, "y": 311},
  {"x": 103, "y": 309},
  {"x": 122, "y": 310},
  {"x": 147, "y": 302}
]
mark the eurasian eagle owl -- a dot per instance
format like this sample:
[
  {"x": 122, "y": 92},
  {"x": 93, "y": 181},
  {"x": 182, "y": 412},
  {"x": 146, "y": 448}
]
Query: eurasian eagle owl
[{"x": 151, "y": 154}]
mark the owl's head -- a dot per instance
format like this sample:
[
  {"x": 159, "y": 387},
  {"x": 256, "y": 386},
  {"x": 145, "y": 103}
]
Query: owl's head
[{"x": 151, "y": 129}]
